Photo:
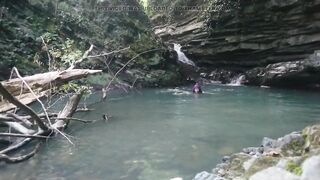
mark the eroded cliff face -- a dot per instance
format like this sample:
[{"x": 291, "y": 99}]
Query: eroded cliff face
[{"x": 278, "y": 38}]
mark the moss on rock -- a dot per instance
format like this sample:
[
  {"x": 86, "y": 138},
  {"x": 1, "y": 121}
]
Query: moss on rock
[
  {"x": 262, "y": 163},
  {"x": 294, "y": 168}
]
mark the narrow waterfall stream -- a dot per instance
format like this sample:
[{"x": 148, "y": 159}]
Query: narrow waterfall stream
[
  {"x": 237, "y": 81},
  {"x": 181, "y": 56}
]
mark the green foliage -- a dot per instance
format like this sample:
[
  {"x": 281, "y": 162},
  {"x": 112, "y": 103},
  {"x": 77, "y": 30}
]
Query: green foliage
[
  {"x": 68, "y": 28},
  {"x": 63, "y": 52},
  {"x": 294, "y": 168},
  {"x": 261, "y": 163},
  {"x": 294, "y": 148},
  {"x": 101, "y": 80},
  {"x": 75, "y": 88}
]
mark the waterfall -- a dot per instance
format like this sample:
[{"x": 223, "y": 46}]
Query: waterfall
[
  {"x": 181, "y": 56},
  {"x": 237, "y": 81}
]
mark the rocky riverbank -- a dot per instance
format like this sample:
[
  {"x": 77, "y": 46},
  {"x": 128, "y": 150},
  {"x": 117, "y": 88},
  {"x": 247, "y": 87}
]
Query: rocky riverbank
[{"x": 295, "y": 156}]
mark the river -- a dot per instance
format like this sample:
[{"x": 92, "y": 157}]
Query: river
[{"x": 158, "y": 134}]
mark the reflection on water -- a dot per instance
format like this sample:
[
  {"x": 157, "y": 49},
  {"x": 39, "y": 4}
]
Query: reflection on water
[{"x": 159, "y": 134}]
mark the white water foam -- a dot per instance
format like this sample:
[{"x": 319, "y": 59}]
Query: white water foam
[
  {"x": 181, "y": 56},
  {"x": 237, "y": 81}
]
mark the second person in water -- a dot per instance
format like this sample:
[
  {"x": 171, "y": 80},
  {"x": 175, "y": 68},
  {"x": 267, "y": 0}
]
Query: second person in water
[{"x": 197, "y": 89}]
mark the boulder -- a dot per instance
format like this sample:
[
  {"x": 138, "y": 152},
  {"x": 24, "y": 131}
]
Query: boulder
[
  {"x": 290, "y": 74},
  {"x": 311, "y": 169},
  {"x": 274, "y": 173}
]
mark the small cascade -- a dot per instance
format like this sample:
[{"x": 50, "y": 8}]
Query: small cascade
[
  {"x": 181, "y": 56},
  {"x": 238, "y": 80}
]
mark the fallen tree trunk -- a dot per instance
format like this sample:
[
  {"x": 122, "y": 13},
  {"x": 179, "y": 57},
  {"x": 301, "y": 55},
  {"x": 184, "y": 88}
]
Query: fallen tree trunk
[
  {"x": 40, "y": 84},
  {"x": 26, "y": 135},
  {"x": 67, "y": 111},
  {"x": 5, "y": 93},
  {"x": 32, "y": 126}
]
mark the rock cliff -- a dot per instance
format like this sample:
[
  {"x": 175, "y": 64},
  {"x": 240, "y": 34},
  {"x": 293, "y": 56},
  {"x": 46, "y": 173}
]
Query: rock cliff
[{"x": 239, "y": 36}]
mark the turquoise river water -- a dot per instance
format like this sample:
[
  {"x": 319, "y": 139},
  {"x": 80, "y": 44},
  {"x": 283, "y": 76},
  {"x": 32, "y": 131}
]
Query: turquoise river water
[{"x": 159, "y": 134}]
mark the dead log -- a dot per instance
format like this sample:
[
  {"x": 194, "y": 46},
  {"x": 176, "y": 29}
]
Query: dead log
[
  {"x": 32, "y": 126},
  {"x": 60, "y": 124},
  {"x": 23, "y": 107},
  {"x": 19, "y": 128},
  {"x": 18, "y": 144},
  {"x": 40, "y": 84},
  {"x": 69, "y": 109},
  {"x": 24, "y": 121}
]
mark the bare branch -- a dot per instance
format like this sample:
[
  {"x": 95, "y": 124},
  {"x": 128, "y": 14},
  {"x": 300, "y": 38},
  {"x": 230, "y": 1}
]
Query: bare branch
[
  {"x": 8, "y": 159},
  {"x": 4, "y": 118},
  {"x": 125, "y": 65},
  {"x": 76, "y": 119},
  {"x": 21, "y": 119},
  {"x": 84, "y": 56},
  {"x": 19, "y": 144},
  {"x": 38, "y": 120},
  {"x": 23, "y": 135},
  {"x": 19, "y": 128},
  {"x": 109, "y": 53},
  {"x": 47, "y": 50}
]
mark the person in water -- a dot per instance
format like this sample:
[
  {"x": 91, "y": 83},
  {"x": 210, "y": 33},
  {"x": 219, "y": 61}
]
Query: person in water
[{"x": 197, "y": 89}]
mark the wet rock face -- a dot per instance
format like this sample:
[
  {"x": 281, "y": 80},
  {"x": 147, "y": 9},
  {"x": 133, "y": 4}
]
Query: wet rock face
[
  {"x": 222, "y": 75},
  {"x": 294, "y": 73},
  {"x": 277, "y": 38}
]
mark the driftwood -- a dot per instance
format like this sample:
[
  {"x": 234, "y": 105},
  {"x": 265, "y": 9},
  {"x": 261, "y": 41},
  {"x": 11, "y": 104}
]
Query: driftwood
[
  {"x": 34, "y": 127},
  {"x": 25, "y": 108},
  {"x": 38, "y": 132},
  {"x": 40, "y": 84}
]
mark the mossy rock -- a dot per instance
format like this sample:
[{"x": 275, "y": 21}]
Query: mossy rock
[
  {"x": 294, "y": 148},
  {"x": 262, "y": 163},
  {"x": 312, "y": 137},
  {"x": 235, "y": 168},
  {"x": 294, "y": 168}
]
